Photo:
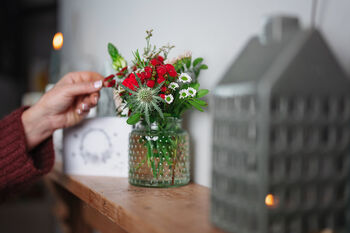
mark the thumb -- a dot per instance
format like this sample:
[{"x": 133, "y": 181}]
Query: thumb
[{"x": 83, "y": 88}]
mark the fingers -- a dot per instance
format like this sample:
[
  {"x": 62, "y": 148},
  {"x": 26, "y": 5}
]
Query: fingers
[
  {"x": 85, "y": 103},
  {"x": 78, "y": 77},
  {"x": 80, "y": 83},
  {"x": 94, "y": 97},
  {"x": 79, "y": 105},
  {"x": 82, "y": 88}
]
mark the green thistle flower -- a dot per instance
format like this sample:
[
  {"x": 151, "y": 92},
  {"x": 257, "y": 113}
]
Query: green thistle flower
[{"x": 144, "y": 100}]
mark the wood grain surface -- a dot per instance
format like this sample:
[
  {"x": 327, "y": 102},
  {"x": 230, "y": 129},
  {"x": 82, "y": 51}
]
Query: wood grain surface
[{"x": 142, "y": 210}]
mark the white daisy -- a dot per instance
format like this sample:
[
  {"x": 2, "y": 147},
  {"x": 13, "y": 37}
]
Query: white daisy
[
  {"x": 191, "y": 91},
  {"x": 151, "y": 138},
  {"x": 185, "y": 78},
  {"x": 173, "y": 85},
  {"x": 169, "y": 98},
  {"x": 183, "y": 93}
]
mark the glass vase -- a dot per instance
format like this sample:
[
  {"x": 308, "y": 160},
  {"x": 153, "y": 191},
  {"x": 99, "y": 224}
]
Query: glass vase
[{"x": 159, "y": 155}]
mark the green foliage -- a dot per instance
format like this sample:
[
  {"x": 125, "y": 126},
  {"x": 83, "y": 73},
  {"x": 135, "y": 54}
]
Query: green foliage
[
  {"x": 137, "y": 60},
  {"x": 113, "y": 51},
  {"x": 197, "y": 61},
  {"x": 202, "y": 103},
  {"x": 118, "y": 62},
  {"x": 203, "y": 67},
  {"x": 196, "y": 105},
  {"x": 163, "y": 148},
  {"x": 186, "y": 65},
  {"x": 195, "y": 86},
  {"x": 134, "y": 118},
  {"x": 201, "y": 93}
]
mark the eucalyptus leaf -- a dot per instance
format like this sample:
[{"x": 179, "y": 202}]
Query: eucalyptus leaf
[
  {"x": 202, "y": 92},
  {"x": 197, "y": 106},
  {"x": 197, "y": 61},
  {"x": 195, "y": 86},
  {"x": 200, "y": 102},
  {"x": 203, "y": 67},
  {"x": 134, "y": 118},
  {"x": 113, "y": 51}
]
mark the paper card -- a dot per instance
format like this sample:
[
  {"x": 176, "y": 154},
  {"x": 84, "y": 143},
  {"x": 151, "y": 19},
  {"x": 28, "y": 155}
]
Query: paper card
[{"x": 97, "y": 147}]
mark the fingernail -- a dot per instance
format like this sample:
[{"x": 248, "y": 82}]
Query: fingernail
[
  {"x": 79, "y": 111},
  {"x": 84, "y": 106},
  {"x": 96, "y": 99},
  {"x": 98, "y": 84}
]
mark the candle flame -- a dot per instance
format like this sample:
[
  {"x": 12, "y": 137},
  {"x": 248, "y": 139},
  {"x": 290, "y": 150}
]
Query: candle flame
[
  {"x": 270, "y": 200},
  {"x": 57, "y": 41}
]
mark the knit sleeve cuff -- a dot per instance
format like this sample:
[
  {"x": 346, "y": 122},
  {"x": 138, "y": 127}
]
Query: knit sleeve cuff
[{"x": 17, "y": 165}]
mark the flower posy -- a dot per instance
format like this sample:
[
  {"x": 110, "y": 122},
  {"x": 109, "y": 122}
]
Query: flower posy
[{"x": 151, "y": 89}]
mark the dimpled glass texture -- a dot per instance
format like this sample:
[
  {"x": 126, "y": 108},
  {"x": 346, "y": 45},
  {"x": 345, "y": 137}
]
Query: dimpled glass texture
[{"x": 159, "y": 157}]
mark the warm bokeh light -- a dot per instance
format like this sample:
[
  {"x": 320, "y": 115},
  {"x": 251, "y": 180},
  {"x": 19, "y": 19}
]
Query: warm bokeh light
[
  {"x": 57, "y": 41},
  {"x": 270, "y": 200}
]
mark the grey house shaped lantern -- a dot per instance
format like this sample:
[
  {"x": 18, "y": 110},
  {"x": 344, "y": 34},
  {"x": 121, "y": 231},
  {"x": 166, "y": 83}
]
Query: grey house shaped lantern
[{"x": 281, "y": 136}]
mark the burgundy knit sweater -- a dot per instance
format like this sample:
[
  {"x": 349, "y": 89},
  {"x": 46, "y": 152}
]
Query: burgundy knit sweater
[{"x": 19, "y": 167}]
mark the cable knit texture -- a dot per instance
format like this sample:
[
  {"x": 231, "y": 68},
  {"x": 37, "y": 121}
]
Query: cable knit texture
[{"x": 18, "y": 167}]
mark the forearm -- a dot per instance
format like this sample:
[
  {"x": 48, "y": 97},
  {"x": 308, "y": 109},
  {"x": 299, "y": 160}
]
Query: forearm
[
  {"x": 37, "y": 126},
  {"x": 18, "y": 165}
]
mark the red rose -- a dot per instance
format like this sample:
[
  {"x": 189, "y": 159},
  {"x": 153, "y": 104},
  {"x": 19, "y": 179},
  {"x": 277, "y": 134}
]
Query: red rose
[
  {"x": 162, "y": 96},
  {"x": 111, "y": 83},
  {"x": 122, "y": 72},
  {"x": 163, "y": 89},
  {"x": 150, "y": 83},
  {"x": 154, "y": 62},
  {"x": 108, "y": 78},
  {"x": 148, "y": 69},
  {"x": 141, "y": 76},
  {"x": 161, "y": 70},
  {"x": 160, "y": 79},
  {"x": 148, "y": 72},
  {"x": 171, "y": 70},
  {"x": 131, "y": 82},
  {"x": 144, "y": 76},
  {"x": 134, "y": 68},
  {"x": 148, "y": 75},
  {"x": 160, "y": 59}
]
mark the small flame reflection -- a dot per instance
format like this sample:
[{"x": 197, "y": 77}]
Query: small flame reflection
[
  {"x": 57, "y": 41},
  {"x": 271, "y": 200}
]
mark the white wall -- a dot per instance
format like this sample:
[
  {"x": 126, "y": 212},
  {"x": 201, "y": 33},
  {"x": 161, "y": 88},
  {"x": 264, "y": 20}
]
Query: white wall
[{"x": 215, "y": 30}]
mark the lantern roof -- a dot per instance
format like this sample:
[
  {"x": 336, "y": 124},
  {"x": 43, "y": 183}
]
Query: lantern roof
[{"x": 286, "y": 58}]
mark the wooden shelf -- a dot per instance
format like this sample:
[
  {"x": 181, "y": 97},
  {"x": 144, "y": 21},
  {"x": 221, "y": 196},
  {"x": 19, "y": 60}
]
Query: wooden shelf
[{"x": 137, "y": 209}]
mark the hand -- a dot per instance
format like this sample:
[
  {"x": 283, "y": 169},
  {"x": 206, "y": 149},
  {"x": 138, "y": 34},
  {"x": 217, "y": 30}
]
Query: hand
[{"x": 65, "y": 105}]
